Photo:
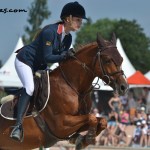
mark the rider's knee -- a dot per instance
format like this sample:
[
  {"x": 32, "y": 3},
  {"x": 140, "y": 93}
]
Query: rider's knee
[{"x": 30, "y": 90}]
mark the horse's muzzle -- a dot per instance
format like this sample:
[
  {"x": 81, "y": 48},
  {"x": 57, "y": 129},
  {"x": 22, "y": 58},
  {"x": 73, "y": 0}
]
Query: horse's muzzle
[{"x": 123, "y": 88}]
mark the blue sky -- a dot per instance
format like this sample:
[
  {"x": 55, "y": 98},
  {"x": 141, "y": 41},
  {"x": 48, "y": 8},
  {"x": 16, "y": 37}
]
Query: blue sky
[{"x": 12, "y": 24}]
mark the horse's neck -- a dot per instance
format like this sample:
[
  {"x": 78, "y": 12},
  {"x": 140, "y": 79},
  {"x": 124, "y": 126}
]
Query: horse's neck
[{"x": 81, "y": 77}]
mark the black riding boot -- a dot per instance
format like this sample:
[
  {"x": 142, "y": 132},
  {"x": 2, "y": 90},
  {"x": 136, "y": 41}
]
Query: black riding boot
[{"x": 17, "y": 132}]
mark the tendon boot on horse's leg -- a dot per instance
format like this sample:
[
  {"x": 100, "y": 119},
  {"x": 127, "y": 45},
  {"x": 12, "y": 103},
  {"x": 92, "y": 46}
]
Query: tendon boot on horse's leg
[
  {"x": 17, "y": 132},
  {"x": 79, "y": 143},
  {"x": 73, "y": 138},
  {"x": 90, "y": 137}
]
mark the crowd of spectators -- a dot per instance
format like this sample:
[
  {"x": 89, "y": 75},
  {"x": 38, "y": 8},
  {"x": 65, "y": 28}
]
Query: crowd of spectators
[{"x": 128, "y": 121}]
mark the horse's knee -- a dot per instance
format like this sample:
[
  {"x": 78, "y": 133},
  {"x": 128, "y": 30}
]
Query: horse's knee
[
  {"x": 81, "y": 142},
  {"x": 93, "y": 120}
]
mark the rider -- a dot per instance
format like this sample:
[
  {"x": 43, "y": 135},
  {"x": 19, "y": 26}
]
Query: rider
[{"x": 50, "y": 45}]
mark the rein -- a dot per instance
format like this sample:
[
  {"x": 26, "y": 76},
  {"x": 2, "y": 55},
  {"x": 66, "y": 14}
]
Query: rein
[
  {"x": 85, "y": 67},
  {"x": 81, "y": 96},
  {"x": 88, "y": 69}
]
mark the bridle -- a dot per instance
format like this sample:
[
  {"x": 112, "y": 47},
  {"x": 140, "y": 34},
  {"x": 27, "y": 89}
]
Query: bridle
[
  {"x": 88, "y": 69},
  {"x": 101, "y": 66}
]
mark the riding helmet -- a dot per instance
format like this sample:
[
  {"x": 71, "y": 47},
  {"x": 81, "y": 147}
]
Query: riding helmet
[{"x": 74, "y": 9}]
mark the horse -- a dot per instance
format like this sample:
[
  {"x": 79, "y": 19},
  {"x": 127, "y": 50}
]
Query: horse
[{"x": 68, "y": 110}]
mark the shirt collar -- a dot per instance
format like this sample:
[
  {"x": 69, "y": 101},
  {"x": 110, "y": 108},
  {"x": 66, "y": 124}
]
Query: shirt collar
[
  {"x": 63, "y": 33},
  {"x": 61, "y": 29}
]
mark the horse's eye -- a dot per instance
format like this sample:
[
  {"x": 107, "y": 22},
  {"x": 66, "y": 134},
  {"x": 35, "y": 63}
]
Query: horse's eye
[{"x": 108, "y": 61}]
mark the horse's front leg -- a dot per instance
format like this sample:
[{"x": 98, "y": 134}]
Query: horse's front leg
[
  {"x": 101, "y": 125},
  {"x": 81, "y": 140},
  {"x": 74, "y": 123}
]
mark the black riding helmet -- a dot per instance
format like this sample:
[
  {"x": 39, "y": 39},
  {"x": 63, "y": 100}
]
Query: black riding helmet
[{"x": 74, "y": 9}]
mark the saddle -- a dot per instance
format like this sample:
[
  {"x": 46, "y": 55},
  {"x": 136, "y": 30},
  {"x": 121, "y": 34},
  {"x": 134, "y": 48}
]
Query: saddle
[{"x": 38, "y": 101}]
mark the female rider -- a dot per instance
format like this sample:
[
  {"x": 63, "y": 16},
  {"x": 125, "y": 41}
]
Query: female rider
[{"x": 50, "y": 45}]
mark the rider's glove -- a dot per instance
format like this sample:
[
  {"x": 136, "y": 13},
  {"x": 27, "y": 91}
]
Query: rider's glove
[{"x": 69, "y": 53}]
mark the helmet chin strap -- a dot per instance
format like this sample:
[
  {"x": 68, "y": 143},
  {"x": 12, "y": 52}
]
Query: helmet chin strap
[{"x": 70, "y": 20}]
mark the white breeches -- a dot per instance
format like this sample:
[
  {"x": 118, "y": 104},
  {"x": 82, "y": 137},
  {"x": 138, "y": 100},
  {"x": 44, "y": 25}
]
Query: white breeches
[{"x": 26, "y": 76}]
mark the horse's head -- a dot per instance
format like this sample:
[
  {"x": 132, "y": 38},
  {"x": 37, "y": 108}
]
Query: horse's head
[
  {"x": 108, "y": 65},
  {"x": 100, "y": 59}
]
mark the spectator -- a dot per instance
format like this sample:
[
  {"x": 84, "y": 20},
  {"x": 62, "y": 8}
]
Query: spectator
[
  {"x": 96, "y": 112},
  {"x": 104, "y": 138},
  {"x": 124, "y": 101},
  {"x": 124, "y": 118},
  {"x": 121, "y": 139},
  {"x": 140, "y": 103},
  {"x": 148, "y": 132},
  {"x": 148, "y": 111},
  {"x": 145, "y": 91},
  {"x": 142, "y": 115},
  {"x": 143, "y": 140},
  {"x": 148, "y": 101},
  {"x": 137, "y": 134},
  {"x": 132, "y": 107},
  {"x": 115, "y": 105},
  {"x": 112, "y": 124}
]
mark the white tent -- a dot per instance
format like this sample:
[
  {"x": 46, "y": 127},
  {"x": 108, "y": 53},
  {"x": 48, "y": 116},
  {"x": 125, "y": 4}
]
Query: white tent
[
  {"x": 147, "y": 75},
  {"x": 8, "y": 75},
  {"x": 127, "y": 67}
]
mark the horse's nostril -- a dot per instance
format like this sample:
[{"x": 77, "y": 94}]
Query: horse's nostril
[{"x": 123, "y": 87}]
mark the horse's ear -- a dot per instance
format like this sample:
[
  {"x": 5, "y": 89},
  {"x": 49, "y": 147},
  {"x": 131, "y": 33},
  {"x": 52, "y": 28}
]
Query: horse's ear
[
  {"x": 100, "y": 40},
  {"x": 113, "y": 40}
]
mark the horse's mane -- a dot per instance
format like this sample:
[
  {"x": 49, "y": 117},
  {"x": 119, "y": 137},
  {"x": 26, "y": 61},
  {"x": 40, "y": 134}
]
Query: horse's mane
[
  {"x": 79, "y": 48},
  {"x": 115, "y": 55},
  {"x": 84, "y": 46}
]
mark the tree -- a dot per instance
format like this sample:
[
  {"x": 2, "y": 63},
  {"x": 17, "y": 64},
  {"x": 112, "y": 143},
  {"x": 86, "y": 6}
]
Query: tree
[
  {"x": 37, "y": 13},
  {"x": 89, "y": 30},
  {"x": 135, "y": 43}
]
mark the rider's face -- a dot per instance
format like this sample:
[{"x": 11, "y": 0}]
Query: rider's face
[
  {"x": 76, "y": 23},
  {"x": 72, "y": 23}
]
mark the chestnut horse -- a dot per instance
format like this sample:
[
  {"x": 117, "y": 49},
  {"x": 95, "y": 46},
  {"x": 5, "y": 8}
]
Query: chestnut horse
[{"x": 67, "y": 112}]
